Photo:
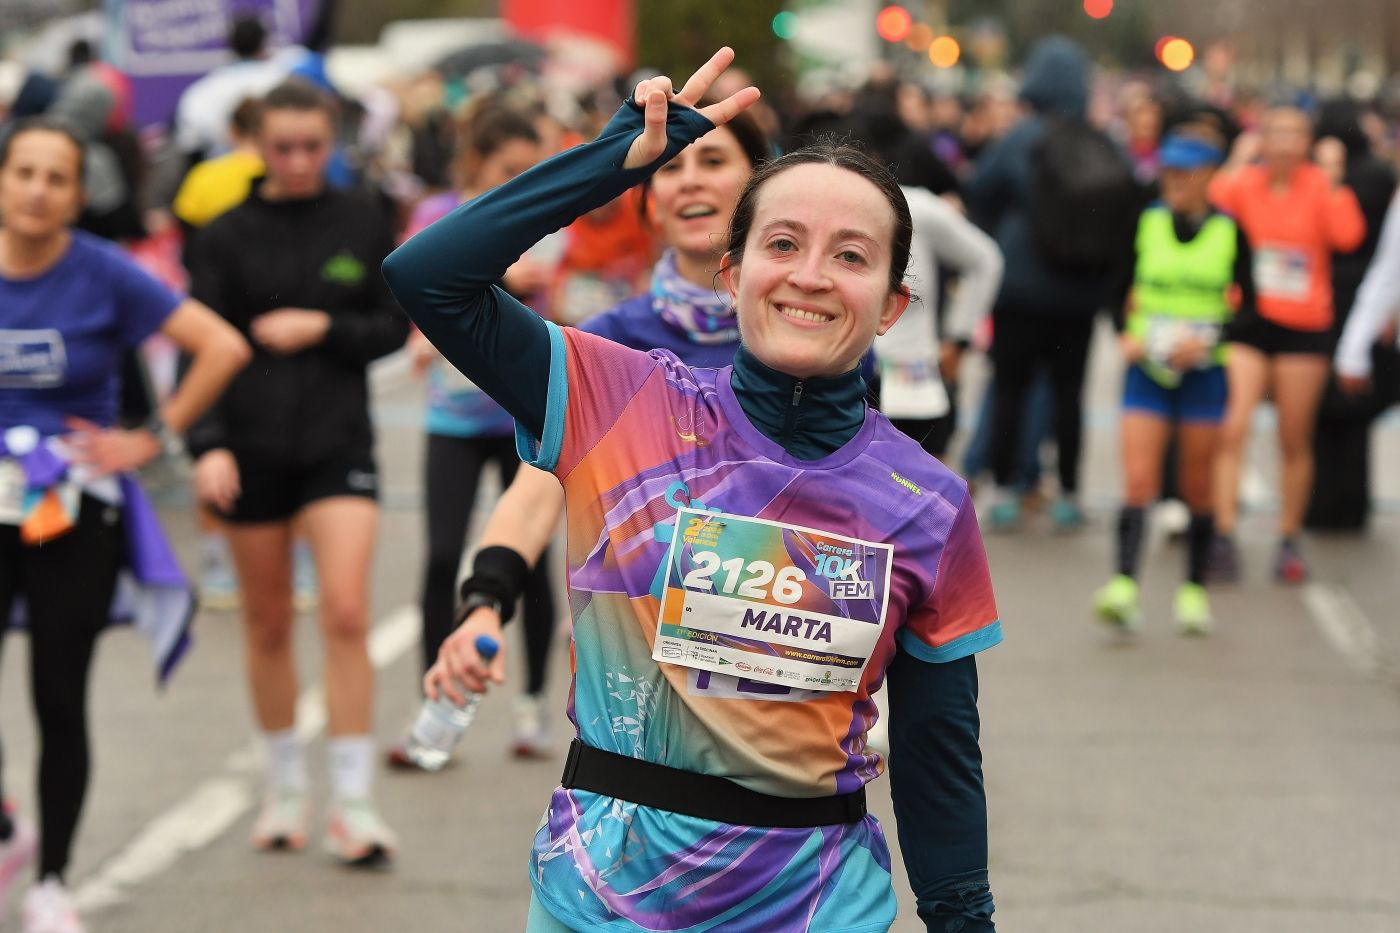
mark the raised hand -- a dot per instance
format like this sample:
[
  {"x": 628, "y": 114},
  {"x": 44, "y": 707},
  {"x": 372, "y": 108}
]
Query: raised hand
[{"x": 653, "y": 95}]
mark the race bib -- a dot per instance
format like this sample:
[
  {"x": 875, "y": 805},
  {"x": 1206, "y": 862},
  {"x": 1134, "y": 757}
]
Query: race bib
[
  {"x": 1282, "y": 272},
  {"x": 912, "y": 390},
  {"x": 772, "y": 602},
  {"x": 12, "y": 488},
  {"x": 1165, "y": 333}
]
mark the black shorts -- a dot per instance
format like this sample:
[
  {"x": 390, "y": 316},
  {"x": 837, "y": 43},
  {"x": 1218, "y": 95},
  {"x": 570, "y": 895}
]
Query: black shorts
[
  {"x": 1273, "y": 339},
  {"x": 275, "y": 491}
]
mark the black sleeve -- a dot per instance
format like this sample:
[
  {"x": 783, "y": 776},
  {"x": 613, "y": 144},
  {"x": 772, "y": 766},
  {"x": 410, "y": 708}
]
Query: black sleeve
[
  {"x": 940, "y": 804},
  {"x": 1122, "y": 287},
  {"x": 363, "y": 336}
]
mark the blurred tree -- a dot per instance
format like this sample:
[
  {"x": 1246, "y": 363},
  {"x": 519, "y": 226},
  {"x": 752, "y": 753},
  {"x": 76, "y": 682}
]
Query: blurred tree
[
  {"x": 1124, "y": 36},
  {"x": 677, "y": 35}
]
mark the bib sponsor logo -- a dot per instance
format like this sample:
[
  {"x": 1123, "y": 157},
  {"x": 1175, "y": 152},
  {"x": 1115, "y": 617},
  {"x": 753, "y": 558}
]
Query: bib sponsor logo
[{"x": 32, "y": 359}]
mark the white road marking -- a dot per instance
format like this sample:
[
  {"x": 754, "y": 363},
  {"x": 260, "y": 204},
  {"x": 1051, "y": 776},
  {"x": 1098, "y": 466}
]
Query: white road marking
[
  {"x": 219, "y": 802},
  {"x": 1344, "y": 624}
]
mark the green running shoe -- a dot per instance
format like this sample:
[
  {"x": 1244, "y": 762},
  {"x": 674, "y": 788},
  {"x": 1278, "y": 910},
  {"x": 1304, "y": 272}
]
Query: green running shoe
[
  {"x": 1117, "y": 603},
  {"x": 1193, "y": 609}
]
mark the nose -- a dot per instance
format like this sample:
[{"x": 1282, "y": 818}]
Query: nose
[
  {"x": 690, "y": 174},
  {"x": 809, "y": 273}
]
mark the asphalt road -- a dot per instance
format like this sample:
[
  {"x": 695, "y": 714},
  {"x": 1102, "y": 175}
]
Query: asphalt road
[{"x": 1249, "y": 781}]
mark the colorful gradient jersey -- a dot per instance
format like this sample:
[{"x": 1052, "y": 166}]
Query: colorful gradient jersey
[{"x": 634, "y": 437}]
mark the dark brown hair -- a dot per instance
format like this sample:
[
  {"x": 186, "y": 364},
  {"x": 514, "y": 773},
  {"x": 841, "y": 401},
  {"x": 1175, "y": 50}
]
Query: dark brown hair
[
  {"x": 483, "y": 129},
  {"x": 247, "y": 117},
  {"x": 297, "y": 94},
  {"x": 838, "y": 155},
  {"x": 43, "y": 124}
]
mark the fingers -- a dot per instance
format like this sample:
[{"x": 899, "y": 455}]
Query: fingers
[
  {"x": 649, "y": 146},
  {"x": 460, "y": 666},
  {"x": 654, "y": 136},
  {"x": 644, "y": 88},
  {"x": 438, "y": 683},
  {"x": 81, "y": 425},
  {"x": 729, "y": 108},
  {"x": 706, "y": 74}
]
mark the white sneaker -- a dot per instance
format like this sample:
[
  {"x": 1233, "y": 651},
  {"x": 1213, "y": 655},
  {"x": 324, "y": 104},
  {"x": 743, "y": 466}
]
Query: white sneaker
[
  {"x": 16, "y": 854},
  {"x": 48, "y": 908},
  {"x": 282, "y": 822},
  {"x": 356, "y": 836},
  {"x": 531, "y": 738}
]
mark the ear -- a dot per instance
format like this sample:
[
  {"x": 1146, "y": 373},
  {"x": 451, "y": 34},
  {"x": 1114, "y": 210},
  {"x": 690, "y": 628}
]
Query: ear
[
  {"x": 729, "y": 272},
  {"x": 895, "y": 304}
]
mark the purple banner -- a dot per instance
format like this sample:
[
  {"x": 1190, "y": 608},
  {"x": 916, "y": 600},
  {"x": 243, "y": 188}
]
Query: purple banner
[{"x": 164, "y": 45}]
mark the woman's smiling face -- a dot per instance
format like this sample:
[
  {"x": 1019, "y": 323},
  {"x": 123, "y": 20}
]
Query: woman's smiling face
[
  {"x": 693, "y": 195},
  {"x": 813, "y": 285}
]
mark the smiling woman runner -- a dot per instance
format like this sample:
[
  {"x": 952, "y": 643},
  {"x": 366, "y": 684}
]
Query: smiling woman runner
[
  {"x": 757, "y": 519},
  {"x": 71, "y": 518}
]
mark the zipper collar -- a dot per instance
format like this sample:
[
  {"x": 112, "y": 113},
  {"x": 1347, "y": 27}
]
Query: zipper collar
[{"x": 808, "y": 418}]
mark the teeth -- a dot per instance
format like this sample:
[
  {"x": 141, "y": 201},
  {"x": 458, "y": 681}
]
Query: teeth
[
  {"x": 697, "y": 210},
  {"x": 798, "y": 314}
]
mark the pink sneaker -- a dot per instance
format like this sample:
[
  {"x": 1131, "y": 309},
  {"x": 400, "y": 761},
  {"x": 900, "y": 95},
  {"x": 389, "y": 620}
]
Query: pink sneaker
[{"x": 16, "y": 854}]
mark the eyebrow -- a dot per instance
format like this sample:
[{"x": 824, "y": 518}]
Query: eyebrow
[{"x": 847, "y": 233}]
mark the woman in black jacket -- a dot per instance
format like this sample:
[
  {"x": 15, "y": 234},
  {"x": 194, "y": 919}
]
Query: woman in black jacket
[{"x": 295, "y": 269}]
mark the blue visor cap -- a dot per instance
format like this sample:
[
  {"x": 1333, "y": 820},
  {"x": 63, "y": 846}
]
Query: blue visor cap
[{"x": 1182, "y": 152}]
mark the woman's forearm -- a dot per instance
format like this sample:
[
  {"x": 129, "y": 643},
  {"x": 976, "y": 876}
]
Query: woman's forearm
[
  {"x": 936, "y": 781},
  {"x": 217, "y": 353},
  {"x": 526, "y": 514}
]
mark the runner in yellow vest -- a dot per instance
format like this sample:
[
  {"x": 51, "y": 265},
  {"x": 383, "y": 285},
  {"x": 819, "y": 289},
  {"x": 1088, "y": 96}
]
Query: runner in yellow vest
[{"x": 1191, "y": 271}]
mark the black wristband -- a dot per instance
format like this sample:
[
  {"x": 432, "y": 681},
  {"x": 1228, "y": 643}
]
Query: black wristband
[{"x": 500, "y": 573}]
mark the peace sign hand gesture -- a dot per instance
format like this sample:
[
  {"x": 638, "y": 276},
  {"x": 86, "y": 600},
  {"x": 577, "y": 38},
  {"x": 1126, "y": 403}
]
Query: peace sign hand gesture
[{"x": 654, "y": 93}]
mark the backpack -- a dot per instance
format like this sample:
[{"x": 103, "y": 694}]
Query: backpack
[{"x": 1084, "y": 201}]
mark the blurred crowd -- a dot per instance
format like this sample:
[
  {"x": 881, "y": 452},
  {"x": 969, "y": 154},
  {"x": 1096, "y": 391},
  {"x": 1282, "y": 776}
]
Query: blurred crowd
[{"x": 418, "y": 144}]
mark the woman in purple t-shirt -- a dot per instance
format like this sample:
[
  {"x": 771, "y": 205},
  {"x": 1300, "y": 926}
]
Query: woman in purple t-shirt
[{"x": 69, "y": 305}]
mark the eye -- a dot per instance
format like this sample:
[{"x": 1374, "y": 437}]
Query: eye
[
  {"x": 852, "y": 257},
  {"x": 782, "y": 245},
  {"x": 669, "y": 167}
]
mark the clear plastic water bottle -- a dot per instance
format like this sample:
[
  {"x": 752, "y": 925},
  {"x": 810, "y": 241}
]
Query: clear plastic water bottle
[{"x": 441, "y": 723}]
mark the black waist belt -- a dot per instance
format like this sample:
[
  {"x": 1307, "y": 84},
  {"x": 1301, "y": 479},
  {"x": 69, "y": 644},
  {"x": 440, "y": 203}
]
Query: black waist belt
[{"x": 703, "y": 795}]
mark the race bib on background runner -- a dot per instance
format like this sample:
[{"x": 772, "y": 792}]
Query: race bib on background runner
[
  {"x": 912, "y": 389},
  {"x": 1281, "y": 272},
  {"x": 772, "y": 602}
]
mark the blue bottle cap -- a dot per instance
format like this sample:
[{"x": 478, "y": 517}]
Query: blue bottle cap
[{"x": 487, "y": 647}]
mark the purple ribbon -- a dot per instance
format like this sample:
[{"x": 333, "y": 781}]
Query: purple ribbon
[
  {"x": 154, "y": 596},
  {"x": 42, "y": 467}
]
